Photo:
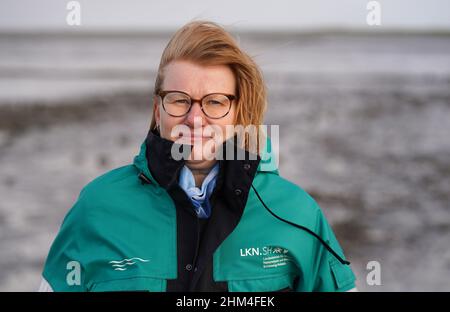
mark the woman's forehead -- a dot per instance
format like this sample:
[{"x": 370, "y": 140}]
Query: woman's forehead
[{"x": 198, "y": 80}]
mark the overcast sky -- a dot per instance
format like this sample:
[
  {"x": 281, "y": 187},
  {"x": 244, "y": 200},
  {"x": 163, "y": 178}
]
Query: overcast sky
[{"x": 242, "y": 14}]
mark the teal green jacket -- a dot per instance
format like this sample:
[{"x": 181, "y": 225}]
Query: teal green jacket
[{"x": 121, "y": 235}]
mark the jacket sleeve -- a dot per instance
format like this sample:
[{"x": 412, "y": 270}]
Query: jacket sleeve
[
  {"x": 330, "y": 274},
  {"x": 64, "y": 266}
]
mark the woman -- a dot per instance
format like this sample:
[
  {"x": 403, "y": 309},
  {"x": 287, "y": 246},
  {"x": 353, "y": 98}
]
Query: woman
[{"x": 176, "y": 221}]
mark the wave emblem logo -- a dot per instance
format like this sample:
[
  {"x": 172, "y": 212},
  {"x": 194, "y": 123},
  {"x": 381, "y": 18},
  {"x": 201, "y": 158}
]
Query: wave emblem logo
[{"x": 123, "y": 265}]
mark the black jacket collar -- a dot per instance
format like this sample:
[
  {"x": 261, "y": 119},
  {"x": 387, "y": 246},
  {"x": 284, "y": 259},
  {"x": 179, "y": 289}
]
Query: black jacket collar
[
  {"x": 162, "y": 166},
  {"x": 235, "y": 175}
]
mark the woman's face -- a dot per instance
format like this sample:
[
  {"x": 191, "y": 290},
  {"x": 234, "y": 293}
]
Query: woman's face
[{"x": 197, "y": 81}]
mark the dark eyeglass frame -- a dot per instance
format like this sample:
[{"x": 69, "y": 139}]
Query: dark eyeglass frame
[{"x": 162, "y": 94}]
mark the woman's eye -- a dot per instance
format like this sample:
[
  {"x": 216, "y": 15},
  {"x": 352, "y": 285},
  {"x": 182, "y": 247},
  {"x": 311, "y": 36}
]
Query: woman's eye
[
  {"x": 214, "y": 102},
  {"x": 181, "y": 101}
]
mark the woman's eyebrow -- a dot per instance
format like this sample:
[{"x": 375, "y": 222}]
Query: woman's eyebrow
[{"x": 203, "y": 94}]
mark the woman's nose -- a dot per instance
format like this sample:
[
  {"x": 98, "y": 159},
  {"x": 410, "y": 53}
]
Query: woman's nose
[{"x": 195, "y": 114}]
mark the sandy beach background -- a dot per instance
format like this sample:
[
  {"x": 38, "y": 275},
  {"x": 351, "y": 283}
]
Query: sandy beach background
[{"x": 364, "y": 128}]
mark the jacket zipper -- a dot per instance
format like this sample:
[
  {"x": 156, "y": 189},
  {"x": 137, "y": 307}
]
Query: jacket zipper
[{"x": 197, "y": 248}]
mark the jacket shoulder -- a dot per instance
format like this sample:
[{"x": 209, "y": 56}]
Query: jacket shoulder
[
  {"x": 112, "y": 178},
  {"x": 288, "y": 199},
  {"x": 100, "y": 194}
]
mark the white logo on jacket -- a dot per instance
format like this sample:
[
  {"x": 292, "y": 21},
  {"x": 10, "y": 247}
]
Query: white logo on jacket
[
  {"x": 272, "y": 256},
  {"x": 122, "y": 265},
  {"x": 263, "y": 251}
]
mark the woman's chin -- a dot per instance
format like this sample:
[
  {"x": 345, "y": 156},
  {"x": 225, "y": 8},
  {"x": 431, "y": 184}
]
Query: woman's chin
[
  {"x": 200, "y": 164},
  {"x": 192, "y": 140}
]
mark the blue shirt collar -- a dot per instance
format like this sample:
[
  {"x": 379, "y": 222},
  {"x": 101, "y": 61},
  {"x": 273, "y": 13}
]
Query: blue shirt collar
[{"x": 199, "y": 196}]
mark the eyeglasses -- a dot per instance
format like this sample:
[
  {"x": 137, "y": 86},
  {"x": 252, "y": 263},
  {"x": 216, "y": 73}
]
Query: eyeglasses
[{"x": 213, "y": 105}]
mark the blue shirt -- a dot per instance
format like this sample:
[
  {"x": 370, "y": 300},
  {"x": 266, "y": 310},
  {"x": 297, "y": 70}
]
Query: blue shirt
[{"x": 199, "y": 196}]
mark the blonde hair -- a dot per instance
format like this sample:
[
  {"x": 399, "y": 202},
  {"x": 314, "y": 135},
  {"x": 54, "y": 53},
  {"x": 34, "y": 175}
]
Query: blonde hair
[{"x": 207, "y": 43}]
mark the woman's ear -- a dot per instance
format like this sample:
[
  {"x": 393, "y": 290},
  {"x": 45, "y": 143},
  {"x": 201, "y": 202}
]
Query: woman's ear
[{"x": 156, "y": 109}]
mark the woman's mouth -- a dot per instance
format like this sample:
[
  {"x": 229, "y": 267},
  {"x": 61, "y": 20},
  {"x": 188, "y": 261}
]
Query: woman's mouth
[{"x": 194, "y": 138}]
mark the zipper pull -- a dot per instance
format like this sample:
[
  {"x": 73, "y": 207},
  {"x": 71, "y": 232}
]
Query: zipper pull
[{"x": 144, "y": 178}]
